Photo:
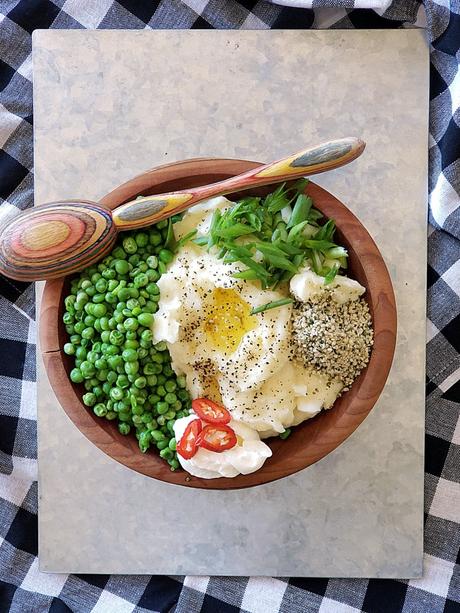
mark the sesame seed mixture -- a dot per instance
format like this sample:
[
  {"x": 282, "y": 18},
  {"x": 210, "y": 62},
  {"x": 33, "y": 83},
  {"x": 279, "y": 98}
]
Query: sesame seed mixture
[{"x": 335, "y": 338}]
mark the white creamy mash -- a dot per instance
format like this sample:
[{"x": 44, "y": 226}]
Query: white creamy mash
[
  {"x": 306, "y": 284},
  {"x": 228, "y": 355},
  {"x": 246, "y": 457}
]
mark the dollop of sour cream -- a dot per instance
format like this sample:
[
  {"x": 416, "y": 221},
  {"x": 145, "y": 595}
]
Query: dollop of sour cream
[{"x": 247, "y": 456}]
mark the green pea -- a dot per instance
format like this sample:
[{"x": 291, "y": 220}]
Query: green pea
[
  {"x": 98, "y": 298},
  {"x": 87, "y": 369},
  {"x": 79, "y": 327},
  {"x": 131, "y": 343},
  {"x": 106, "y": 387},
  {"x": 121, "y": 266},
  {"x": 69, "y": 302},
  {"x": 122, "y": 381},
  {"x": 140, "y": 382},
  {"x": 112, "y": 350},
  {"x": 92, "y": 356},
  {"x": 111, "y": 415},
  {"x": 69, "y": 349},
  {"x": 166, "y": 453},
  {"x": 101, "y": 285},
  {"x": 157, "y": 435},
  {"x": 170, "y": 386},
  {"x": 142, "y": 239},
  {"x": 81, "y": 299},
  {"x": 145, "y": 319},
  {"x": 183, "y": 394},
  {"x": 152, "y": 288},
  {"x": 161, "y": 267},
  {"x": 116, "y": 337},
  {"x": 181, "y": 381},
  {"x": 108, "y": 273},
  {"x": 81, "y": 353},
  {"x": 75, "y": 339},
  {"x": 119, "y": 253},
  {"x": 68, "y": 319},
  {"x": 162, "y": 445},
  {"x": 89, "y": 399},
  {"x": 129, "y": 355},
  {"x": 134, "y": 259},
  {"x": 124, "y": 428},
  {"x": 76, "y": 375},
  {"x": 129, "y": 245},
  {"x": 100, "y": 410},
  {"x": 88, "y": 332},
  {"x": 99, "y": 310},
  {"x": 98, "y": 391},
  {"x": 123, "y": 294},
  {"x": 152, "y": 261},
  {"x": 116, "y": 393},
  {"x": 131, "y": 368},
  {"x": 111, "y": 376},
  {"x": 144, "y": 441},
  {"x": 141, "y": 280},
  {"x": 101, "y": 363},
  {"x": 131, "y": 324},
  {"x": 173, "y": 464},
  {"x": 154, "y": 237},
  {"x": 166, "y": 256},
  {"x": 162, "y": 408},
  {"x": 152, "y": 275},
  {"x": 170, "y": 398},
  {"x": 147, "y": 336}
]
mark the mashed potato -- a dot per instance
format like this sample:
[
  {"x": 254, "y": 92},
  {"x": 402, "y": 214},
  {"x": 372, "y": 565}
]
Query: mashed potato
[{"x": 226, "y": 353}]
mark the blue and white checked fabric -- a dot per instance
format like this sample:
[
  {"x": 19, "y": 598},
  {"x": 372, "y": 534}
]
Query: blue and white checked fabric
[{"x": 23, "y": 588}]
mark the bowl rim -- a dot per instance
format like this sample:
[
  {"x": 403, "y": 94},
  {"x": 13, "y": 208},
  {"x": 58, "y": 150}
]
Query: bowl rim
[{"x": 320, "y": 441}]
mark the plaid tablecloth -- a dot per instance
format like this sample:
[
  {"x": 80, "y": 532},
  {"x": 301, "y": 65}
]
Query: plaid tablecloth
[{"x": 22, "y": 587}]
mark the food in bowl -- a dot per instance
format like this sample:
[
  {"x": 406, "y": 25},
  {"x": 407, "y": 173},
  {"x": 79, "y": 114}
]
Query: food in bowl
[{"x": 235, "y": 307}]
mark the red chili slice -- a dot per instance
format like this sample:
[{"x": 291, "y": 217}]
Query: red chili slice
[
  {"x": 210, "y": 411},
  {"x": 217, "y": 438},
  {"x": 188, "y": 444}
]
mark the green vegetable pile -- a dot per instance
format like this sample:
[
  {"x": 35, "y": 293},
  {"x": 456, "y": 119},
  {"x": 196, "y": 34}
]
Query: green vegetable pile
[
  {"x": 275, "y": 236},
  {"x": 108, "y": 316}
]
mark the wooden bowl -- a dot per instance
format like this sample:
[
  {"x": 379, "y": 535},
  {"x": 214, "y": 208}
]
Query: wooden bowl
[{"x": 310, "y": 441}]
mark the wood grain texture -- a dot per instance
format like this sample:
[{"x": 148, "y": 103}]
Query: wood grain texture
[
  {"x": 310, "y": 441},
  {"x": 325, "y": 156},
  {"x": 55, "y": 239}
]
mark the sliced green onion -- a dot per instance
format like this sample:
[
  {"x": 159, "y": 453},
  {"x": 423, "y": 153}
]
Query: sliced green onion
[{"x": 271, "y": 305}]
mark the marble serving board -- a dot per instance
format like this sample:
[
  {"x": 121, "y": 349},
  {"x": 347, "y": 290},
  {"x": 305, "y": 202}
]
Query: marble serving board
[{"x": 110, "y": 104}]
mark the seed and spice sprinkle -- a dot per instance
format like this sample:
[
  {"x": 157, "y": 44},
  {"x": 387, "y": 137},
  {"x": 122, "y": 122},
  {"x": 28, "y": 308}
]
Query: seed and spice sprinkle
[{"x": 335, "y": 338}]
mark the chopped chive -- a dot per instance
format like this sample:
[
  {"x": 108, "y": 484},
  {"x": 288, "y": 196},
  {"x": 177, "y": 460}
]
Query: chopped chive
[
  {"x": 185, "y": 238},
  {"x": 271, "y": 305},
  {"x": 330, "y": 276}
]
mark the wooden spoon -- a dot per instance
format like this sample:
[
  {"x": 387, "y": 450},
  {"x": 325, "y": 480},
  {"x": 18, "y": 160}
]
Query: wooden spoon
[{"x": 59, "y": 238}]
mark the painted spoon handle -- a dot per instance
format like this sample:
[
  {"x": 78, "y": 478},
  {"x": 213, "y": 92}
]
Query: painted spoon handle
[{"x": 151, "y": 209}]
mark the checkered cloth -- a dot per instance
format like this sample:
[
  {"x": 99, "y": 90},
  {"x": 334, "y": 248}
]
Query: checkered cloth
[{"x": 22, "y": 587}]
